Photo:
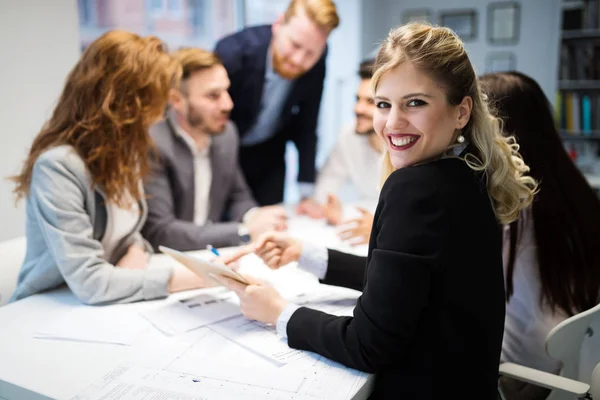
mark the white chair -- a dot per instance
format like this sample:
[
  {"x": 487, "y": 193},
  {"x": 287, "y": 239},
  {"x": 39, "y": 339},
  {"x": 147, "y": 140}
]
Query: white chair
[
  {"x": 569, "y": 388},
  {"x": 12, "y": 254},
  {"x": 567, "y": 342}
]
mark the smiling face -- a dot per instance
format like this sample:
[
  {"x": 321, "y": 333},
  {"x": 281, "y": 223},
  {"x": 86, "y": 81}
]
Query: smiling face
[
  {"x": 297, "y": 45},
  {"x": 413, "y": 116}
]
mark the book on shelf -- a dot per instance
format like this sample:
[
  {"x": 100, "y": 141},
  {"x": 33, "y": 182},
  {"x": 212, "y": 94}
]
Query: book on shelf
[
  {"x": 579, "y": 61},
  {"x": 577, "y": 102},
  {"x": 585, "y": 15},
  {"x": 577, "y": 113}
]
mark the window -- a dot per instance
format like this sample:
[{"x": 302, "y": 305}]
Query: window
[
  {"x": 259, "y": 12},
  {"x": 175, "y": 8},
  {"x": 86, "y": 11},
  {"x": 179, "y": 23}
]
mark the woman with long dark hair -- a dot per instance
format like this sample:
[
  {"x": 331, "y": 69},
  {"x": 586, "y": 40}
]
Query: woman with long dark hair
[{"x": 551, "y": 257}]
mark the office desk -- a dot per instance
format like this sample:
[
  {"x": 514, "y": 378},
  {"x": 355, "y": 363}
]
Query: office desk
[{"x": 32, "y": 368}]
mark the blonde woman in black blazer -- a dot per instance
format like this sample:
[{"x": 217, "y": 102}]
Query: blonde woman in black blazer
[{"x": 430, "y": 320}]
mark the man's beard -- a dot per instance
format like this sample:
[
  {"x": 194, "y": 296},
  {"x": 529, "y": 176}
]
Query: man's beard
[
  {"x": 279, "y": 67},
  {"x": 196, "y": 121},
  {"x": 364, "y": 132}
]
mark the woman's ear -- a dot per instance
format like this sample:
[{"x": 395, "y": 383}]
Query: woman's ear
[{"x": 464, "y": 112}]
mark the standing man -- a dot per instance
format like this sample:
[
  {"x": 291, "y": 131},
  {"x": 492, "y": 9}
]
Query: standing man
[
  {"x": 197, "y": 194},
  {"x": 277, "y": 74}
]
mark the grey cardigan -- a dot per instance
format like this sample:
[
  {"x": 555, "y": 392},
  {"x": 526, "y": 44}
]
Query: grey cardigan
[{"x": 65, "y": 221}]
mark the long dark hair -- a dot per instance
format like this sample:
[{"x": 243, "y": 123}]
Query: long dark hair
[{"x": 566, "y": 211}]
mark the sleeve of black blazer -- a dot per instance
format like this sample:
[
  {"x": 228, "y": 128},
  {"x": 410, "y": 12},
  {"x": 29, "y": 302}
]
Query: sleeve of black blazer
[
  {"x": 163, "y": 228},
  {"x": 409, "y": 229},
  {"x": 304, "y": 133},
  {"x": 345, "y": 270}
]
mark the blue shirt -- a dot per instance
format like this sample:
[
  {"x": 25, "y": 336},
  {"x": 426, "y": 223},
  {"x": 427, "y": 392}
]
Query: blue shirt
[{"x": 274, "y": 95}]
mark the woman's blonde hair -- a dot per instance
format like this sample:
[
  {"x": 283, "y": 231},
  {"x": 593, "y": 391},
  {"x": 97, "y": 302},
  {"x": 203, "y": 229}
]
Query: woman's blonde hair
[
  {"x": 115, "y": 92},
  {"x": 440, "y": 54}
]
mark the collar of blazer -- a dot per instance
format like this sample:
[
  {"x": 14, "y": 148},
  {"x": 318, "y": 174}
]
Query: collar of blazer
[{"x": 179, "y": 132}]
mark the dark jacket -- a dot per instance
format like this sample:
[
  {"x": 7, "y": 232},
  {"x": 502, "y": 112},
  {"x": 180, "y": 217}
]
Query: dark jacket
[
  {"x": 430, "y": 320},
  {"x": 244, "y": 56}
]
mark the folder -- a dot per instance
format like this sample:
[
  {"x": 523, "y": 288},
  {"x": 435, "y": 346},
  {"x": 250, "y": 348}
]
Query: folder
[{"x": 204, "y": 269}]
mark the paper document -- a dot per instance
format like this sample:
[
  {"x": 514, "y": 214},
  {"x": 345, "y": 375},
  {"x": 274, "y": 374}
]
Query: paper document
[
  {"x": 134, "y": 382},
  {"x": 202, "y": 267},
  {"x": 129, "y": 382},
  {"x": 115, "y": 324},
  {"x": 320, "y": 233},
  {"x": 263, "y": 339},
  {"x": 259, "y": 338},
  {"x": 326, "y": 379},
  {"x": 330, "y": 299},
  {"x": 236, "y": 359},
  {"x": 216, "y": 357},
  {"x": 185, "y": 315},
  {"x": 289, "y": 280}
]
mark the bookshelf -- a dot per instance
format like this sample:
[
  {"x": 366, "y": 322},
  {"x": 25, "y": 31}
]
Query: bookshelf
[
  {"x": 583, "y": 85},
  {"x": 578, "y": 97},
  {"x": 579, "y": 136},
  {"x": 585, "y": 34},
  {"x": 577, "y": 105}
]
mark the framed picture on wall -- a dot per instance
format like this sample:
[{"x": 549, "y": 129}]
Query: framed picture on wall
[
  {"x": 417, "y": 15},
  {"x": 500, "y": 61},
  {"x": 504, "y": 19},
  {"x": 462, "y": 22}
]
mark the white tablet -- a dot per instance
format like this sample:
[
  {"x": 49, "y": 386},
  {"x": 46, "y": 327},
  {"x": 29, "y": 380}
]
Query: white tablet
[{"x": 203, "y": 268}]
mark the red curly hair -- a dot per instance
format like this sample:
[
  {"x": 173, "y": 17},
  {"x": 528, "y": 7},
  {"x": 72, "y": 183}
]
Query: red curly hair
[{"x": 115, "y": 92}]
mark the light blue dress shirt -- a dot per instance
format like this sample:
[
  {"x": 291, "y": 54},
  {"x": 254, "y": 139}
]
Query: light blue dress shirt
[{"x": 274, "y": 94}]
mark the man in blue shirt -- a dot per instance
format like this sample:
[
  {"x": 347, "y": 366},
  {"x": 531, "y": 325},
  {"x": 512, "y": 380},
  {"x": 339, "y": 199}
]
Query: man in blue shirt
[{"x": 277, "y": 74}]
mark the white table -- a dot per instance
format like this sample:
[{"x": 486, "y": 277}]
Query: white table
[{"x": 33, "y": 368}]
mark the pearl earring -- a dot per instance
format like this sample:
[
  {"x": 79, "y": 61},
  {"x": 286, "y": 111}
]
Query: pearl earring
[{"x": 460, "y": 139}]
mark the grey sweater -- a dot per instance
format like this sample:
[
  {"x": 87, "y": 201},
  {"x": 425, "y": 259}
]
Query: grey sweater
[{"x": 65, "y": 222}]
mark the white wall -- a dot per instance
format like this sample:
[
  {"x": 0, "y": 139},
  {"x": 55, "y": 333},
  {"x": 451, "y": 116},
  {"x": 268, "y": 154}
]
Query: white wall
[
  {"x": 536, "y": 52},
  {"x": 39, "y": 44}
]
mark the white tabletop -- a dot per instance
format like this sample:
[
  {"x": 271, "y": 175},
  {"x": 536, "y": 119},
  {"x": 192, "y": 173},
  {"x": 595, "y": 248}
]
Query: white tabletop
[{"x": 33, "y": 368}]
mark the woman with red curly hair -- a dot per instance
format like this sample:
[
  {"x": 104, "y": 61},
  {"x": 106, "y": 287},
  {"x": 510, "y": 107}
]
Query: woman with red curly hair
[{"x": 82, "y": 179}]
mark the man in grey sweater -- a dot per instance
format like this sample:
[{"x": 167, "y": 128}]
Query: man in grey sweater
[{"x": 197, "y": 194}]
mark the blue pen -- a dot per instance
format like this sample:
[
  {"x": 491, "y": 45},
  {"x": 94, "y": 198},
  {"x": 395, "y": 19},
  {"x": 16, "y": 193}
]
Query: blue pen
[{"x": 214, "y": 251}]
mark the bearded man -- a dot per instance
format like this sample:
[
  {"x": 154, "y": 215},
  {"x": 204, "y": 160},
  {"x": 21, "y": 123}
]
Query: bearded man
[{"x": 277, "y": 74}]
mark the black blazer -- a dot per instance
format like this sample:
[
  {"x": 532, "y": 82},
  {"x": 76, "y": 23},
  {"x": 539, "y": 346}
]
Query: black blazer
[
  {"x": 244, "y": 56},
  {"x": 430, "y": 320}
]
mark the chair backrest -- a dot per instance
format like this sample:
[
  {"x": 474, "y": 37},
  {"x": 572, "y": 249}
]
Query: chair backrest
[
  {"x": 12, "y": 254},
  {"x": 566, "y": 341},
  {"x": 595, "y": 383}
]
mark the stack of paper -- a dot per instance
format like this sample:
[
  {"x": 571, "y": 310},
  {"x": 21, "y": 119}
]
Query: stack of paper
[
  {"x": 185, "y": 315},
  {"x": 110, "y": 324}
]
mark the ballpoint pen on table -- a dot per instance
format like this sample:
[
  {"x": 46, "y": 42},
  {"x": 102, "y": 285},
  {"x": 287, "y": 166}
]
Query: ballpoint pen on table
[{"x": 213, "y": 250}]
